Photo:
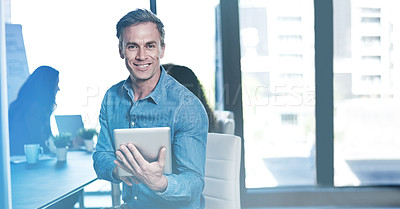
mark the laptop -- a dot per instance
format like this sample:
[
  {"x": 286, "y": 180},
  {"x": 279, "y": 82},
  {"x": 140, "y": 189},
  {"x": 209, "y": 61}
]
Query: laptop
[{"x": 69, "y": 124}]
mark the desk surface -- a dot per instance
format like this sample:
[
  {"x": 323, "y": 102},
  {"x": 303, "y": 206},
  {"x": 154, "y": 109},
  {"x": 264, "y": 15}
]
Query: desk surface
[{"x": 44, "y": 183}]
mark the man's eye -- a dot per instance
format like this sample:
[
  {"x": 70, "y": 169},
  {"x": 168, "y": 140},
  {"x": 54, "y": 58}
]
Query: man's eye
[
  {"x": 131, "y": 47},
  {"x": 151, "y": 46}
]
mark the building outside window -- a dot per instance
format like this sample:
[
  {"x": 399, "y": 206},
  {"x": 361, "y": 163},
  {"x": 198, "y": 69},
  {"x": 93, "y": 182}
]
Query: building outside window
[
  {"x": 277, "y": 58},
  {"x": 277, "y": 39},
  {"x": 367, "y": 93}
]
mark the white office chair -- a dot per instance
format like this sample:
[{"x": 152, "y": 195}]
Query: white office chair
[
  {"x": 222, "y": 174},
  {"x": 222, "y": 184}
]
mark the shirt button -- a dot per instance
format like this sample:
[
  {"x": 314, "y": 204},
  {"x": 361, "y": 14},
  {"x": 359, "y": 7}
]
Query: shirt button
[{"x": 135, "y": 197}]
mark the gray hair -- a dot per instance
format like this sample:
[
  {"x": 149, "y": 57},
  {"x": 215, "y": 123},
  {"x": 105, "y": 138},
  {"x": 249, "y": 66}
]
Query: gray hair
[{"x": 136, "y": 17}]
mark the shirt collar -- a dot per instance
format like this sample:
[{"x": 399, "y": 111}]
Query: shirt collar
[{"x": 155, "y": 95}]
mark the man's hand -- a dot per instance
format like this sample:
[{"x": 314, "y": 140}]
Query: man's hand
[
  {"x": 151, "y": 174},
  {"x": 126, "y": 179}
]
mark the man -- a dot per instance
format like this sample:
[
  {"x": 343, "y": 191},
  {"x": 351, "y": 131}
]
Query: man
[{"x": 151, "y": 98}]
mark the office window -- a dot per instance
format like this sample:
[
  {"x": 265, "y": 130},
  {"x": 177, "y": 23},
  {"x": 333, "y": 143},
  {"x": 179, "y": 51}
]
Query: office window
[
  {"x": 278, "y": 92},
  {"x": 371, "y": 41},
  {"x": 366, "y": 145},
  {"x": 289, "y": 119},
  {"x": 294, "y": 20},
  {"x": 371, "y": 10},
  {"x": 370, "y": 20}
]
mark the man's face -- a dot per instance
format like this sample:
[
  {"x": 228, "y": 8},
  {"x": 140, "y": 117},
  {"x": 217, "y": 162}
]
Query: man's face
[{"x": 142, "y": 51}]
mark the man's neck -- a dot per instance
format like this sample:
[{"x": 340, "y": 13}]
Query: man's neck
[
  {"x": 143, "y": 88},
  {"x": 141, "y": 91}
]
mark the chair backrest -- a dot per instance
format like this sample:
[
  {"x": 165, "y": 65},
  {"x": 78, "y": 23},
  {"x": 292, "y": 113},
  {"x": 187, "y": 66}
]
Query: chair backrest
[
  {"x": 225, "y": 121},
  {"x": 222, "y": 174}
]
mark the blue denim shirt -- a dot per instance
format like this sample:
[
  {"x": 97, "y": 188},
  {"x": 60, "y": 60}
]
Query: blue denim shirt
[{"x": 170, "y": 104}]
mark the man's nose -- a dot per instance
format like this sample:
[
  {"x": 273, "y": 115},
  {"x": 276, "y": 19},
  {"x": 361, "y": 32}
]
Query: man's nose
[{"x": 141, "y": 54}]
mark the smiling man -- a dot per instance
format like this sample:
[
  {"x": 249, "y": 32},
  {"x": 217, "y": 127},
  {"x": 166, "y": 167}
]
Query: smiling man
[{"x": 151, "y": 98}]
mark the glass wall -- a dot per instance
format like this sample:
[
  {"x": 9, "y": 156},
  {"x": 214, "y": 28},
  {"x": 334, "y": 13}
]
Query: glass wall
[
  {"x": 277, "y": 58},
  {"x": 367, "y": 93}
]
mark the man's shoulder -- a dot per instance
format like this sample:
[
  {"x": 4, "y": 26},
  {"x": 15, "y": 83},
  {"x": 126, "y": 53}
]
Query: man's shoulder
[
  {"x": 176, "y": 90},
  {"x": 116, "y": 87}
]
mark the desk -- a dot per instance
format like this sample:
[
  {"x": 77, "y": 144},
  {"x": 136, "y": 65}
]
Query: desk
[{"x": 47, "y": 182}]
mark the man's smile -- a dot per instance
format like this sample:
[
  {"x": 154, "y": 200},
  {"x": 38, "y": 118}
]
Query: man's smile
[{"x": 143, "y": 66}]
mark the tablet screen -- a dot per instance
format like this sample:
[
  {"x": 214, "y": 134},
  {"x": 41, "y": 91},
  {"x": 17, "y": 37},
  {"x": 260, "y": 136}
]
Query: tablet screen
[{"x": 148, "y": 141}]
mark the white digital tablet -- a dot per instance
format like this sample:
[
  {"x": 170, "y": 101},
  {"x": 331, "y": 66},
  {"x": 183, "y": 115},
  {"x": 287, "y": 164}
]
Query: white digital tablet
[{"x": 148, "y": 141}]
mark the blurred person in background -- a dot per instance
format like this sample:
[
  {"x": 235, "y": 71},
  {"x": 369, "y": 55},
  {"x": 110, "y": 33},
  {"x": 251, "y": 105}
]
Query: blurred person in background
[{"x": 29, "y": 115}]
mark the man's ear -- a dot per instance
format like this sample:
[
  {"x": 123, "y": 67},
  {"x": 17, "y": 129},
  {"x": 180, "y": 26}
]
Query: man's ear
[
  {"x": 121, "y": 54},
  {"x": 162, "y": 51}
]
